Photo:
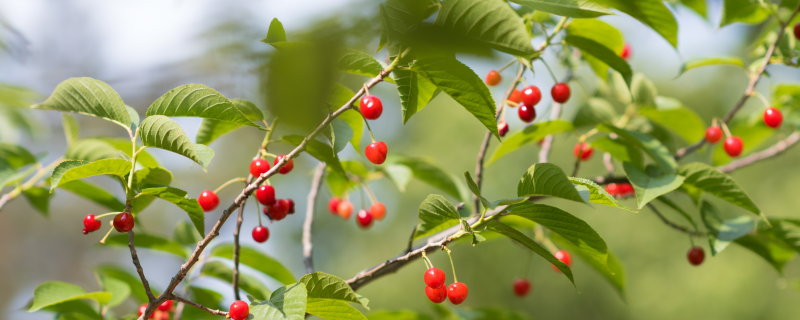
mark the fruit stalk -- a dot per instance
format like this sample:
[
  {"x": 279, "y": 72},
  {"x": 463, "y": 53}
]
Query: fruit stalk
[{"x": 308, "y": 246}]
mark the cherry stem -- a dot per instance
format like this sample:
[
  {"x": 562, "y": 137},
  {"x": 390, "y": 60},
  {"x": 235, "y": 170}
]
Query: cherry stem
[
  {"x": 507, "y": 65},
  {"x": 371, "y": 195},
  {"x": 267, "y": 154},
  {"x": 714, "y": 122},
  {"x": 527, "y": 269},
  {"x": 229, "y": 182},
  {"x": 103, "y": 241},
  {"x": 427, "y": 261},
  {"x": 549, "y": 70},
  {"x": 444, "y": 247},
  {"x": 525, "y": 81},
  {"x": 512, "y": 103},
  {"x": 258, "y": 213},
  {"x": 106, "y": 214},
  {"x": 762, "y": 98},
  {"x": 503, "y": 112},
  {"x": 725, "y": 129},
  {"x": 371, "y": 136},
  {"x": 366, "y": 89},
  {"x": 361, "y": 197},
  {"x": 265, "y": 143}
]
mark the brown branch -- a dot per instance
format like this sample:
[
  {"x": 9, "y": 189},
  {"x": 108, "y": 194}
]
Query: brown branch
[
  {"x": 308, "y": 246},
  {"x": 770, "y": 152},
  {"x": 547, "y": 142},
  {"x": 198, "y": 306},
  {"x": 237, "y": 247},
  {"x": 754, "y": 78},
  {"x": 674, "y": 225},
  {"x": 139, "y": 269}
]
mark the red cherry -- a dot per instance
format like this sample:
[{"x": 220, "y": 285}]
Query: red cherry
[
  {"x": 278, "y": 211},
  {"x": 376, "y": 152},
  {"x": 258, "y": 167},
  {"x": 626, "y": 52},
  {"x": 526, "y": 113},
  {"x": 583, "y": 150},
  {"x": 378, "y": 211},
  {"x": 625, "y": 189},
  {"x": 123, "y": 222},
  {"x": 208, "y": 200},
  {"x": 502, "y": 128},
  {"x": 364, "y": 219},
  {"x": 344, "y": 209},
  {"x": 333, "y": 204},
  {"x": 142, "y": 309},
  {"x": 91, "y": 224},
  {"x": 560, "y": 92},
  {"x": 260, "y": 234},
  {"x": 515, "y": 97},
  {"x": 613, "y": 189},
  {"x": 713, "y": 134},
  {"x": 371, "y": 107},
  {"x": 265, "y": 195},
  {"x": 522, "y": 287},
  {"x": 531, "y": 95},
  {"x": 797, "y": 30},
  {"x": 773, "y": 117},
  {"x": 696, "y": 256},
  {"x": 457, "y": 293},
  {"x": 161, "y": 315},
  {"x": 165, "y": 306},
  {"x": 239, "y": 310},
  {"x": 290, "y": 202},
  {"x": 493, "y": 78},
  {"x": 286, "y": 167},
  {"x": 436, "y": 295},
  {"x": 434, "y": 278},
  {"x": 564, "y": 256},
  {"x": 733, "y": 146}
]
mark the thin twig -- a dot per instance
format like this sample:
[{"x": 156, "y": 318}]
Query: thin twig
[
  {"x": 308, "y": 246},
  {"x": 674, "y": 225},
  {"x": 237, "y": 247},
  {"x": 770, "y": 152},
  {"x": 41, "y": 172},
  {"x": 198, "y": 306},
  {"x": 411, "y": 240},
  {"x": 139, "y": 269}
]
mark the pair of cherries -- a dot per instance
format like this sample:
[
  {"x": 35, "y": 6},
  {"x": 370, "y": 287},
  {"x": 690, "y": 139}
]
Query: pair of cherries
[
  {"x": 620, "y": 190},
  {"x": 364, "y": 218},
  {"x": 733, "y": 145},
  {"x": 437, "y": 292},
  {"x": 123, "y": 222},
  {"x": 583, "y": 151},
  {"x": 161, "y": 313},
  {"x": 371, "y": 108},
  {"x": 275, "y": 209}
]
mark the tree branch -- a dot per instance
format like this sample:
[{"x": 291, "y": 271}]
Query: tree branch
[
  {"x": 236, "y": 246},
  {"x": 40, "y": 173},
  {"x": 775, "y": 150},
  {"x": 674, "y": 225},
  {"x": 198, "y": 306},
  {"x": 139, "y": 269},
  {"x": 308, "y": 247}
]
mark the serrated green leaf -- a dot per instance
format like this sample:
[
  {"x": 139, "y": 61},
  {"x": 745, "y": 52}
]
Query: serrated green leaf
[
  {"x": 463, "y": 85},
  {"x": 333, "y": 310},
  {"x": 155, "y": 176},
  {"x": 197, "y": 100},
  {"x": 530, "y": 135},
  {"x": 711, "y": 61},
  {"x": 432, "y": 174},
  {"x": 55, "y": 292},
  {"x": 652, "y": 13},
  {"x": 147, "y": 241},
  {"x": 415, "y": 92},
  {"x": 221, "y": 271},
  {"x": 774, "y": 251},
  {"x": 612, "y": 271},
  {"x": 321, "y": 285},
  {"x": 73, "y": 310},
  {"x": 745, "y": 11},
  {"x": 72, "y": 131},
  {"x": 624, "y": 152},
  {"x": 94, "y": 193},
  {"x": 709, "y": 179},
  {"x": 602, "y": 53},
  {"x": 70, "y": 170},
  {"x": 674, "y": 116},
  {"x": 186, "y": 234},
  {"x": 643, "y": 91},
  {"x": 39, "y": 199},
  {"x": 698, "y": 6},
  {"x": 16, "y": 156},
  {"x": 161, "y": 132},
  {"x": 286, "y": 303},
  {"x": 211, "y": 129},
  {"x": 567, "y": 8},
  {"x": 359, "y": 63},
  {"x": 340, "y": 134},
  {"x": 646, "y": 143},
  {"x": 92, "y": 149},
  {"x": 546, "y": 179},
  {"x": 475, "y": 190},
  {"x": 178, "y": 197},
  {"x": 119, "y": 289},
  {"x": 602, "y": 33},
  {"x": 435, "y": 214},
  {"x": 596, "y": 111},
  {"x": 723, "y": 232},
  {"x": 491, "y": 22},
  {"x": 318, "y": 150},
  {"x": 338, "y": 97},
  {"x": 133, "y": 281},
  {"x": 134, "y": 118},
  {"x": 255, "y": 259},
  {"x": 90, "y": 97},
  {"x": 598, "y": 194},
  {"x": 399, "y": 174},
  {"x": 276, "y": 33},
  {"x": 649, "y": 187}
]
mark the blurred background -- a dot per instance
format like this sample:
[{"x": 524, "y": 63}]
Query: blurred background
[{"x": 145, "y": 48}]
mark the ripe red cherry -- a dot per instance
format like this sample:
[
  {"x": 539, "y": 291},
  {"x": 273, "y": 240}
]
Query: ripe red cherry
[
  {"x": 526, "y": 113},
  {"x": 258, "y": 167},
  {"x": 239, "y": 310},
  {"x": 560, "y": 92},
  {"x": 773, "y": 117},
  {"x": 696, "y": 256},
  {"x": 457, "y": 293},
  {"x": 733, "y": 146},
  {"x": 290, "y": 203},
  {"x": 515, "y": 97},
  {"x": 141, "y": 310},
  {"x": 625, "y": 189},
  {"x": 278, "y": 211},
  {"x": 333, "y": 204},
  {"x": 531, "y": 95},
  {"x": 522, "y": 287},
  {"x": 260, "y": 234},
  {"x": 434, "y": 278},
  {"x": 364, "y": 219},
  {"x": 371, "y": 107},
  {"x": 564, "y": 256},
  {"x": 713, "y": 134},
  {"x": 265, "y": 195},
  {"x": 797, "y": 30},
  {"x": 613, "y": 189},
  {"x": 436, "y": 295},
  {"x": 583, "y": 150},
  {"x": 502, "y": 128},
  {"x": 378, "y": 211},
  {"x": 376, "y": 152},
  {"x": 208, "y": 200},
  {"x": 165, "y": 306},
  {"x": 91, "y": 224},
  {"x": 123, "y": 222},
  {"x": 493, "y": 78},
  {"x": 626, "y": 52},
  {"x": 161, "y": 315},
  {"x": 286, "y": 167},
  {"x": 344, "y": 209}
]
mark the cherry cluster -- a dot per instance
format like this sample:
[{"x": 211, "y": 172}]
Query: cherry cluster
[
  {"x": 123, "y": 222},
  {"x": 275, "y": 209},
  {"x": 437, "y": 291},
  {"x": 733, "y": 145},
  {"x": 162, "y": 312},
  {"x": 364, "y": 218}
]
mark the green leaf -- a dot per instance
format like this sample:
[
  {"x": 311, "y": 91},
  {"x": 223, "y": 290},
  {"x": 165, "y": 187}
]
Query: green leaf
[
  {"x": 432, "y": 174},
  {"x": 745, "y": 11},
  {"x": 774, "y": 251},
  {"x": 702, "y": 62},
  {"x": 522, "y": 239},
  {"x": 598, "y": 194},
  {"x": 276, "y": 33},
  {"x": 197, "y": 100},
  {"x": 119, "y": 290},
  {"x": 399, "y": 174},
  {"x": 530, "y": 135},
  {"x": 359, "y": 63},
  {"x": 134, "y": 118},
  {"x": 70, "y": 170},
  {"x": 72, "y": 130},
  {"x": 652, "y": 13},
  {"x": 338, "y": 97},
  {"x": 205, "y": 297},
  {"x": 698, "y": 6},
  {"x": 133, "y": 281},
  {"x": 415, "y": 92},
  {"x": 612, "y": 271},
  {"x": 94, "y": 193},
  {"x": 646, "y": 143},
  {"x": 709, "y": 179},
  {"x": 147, "y": 241},
  {"x": 251, "y": 285},
  {"x": 55, "y": 292},
  {"x": 602, "y": 33},
  {"x": 287, "y": 302},
  {"x": 596, "y": 111},
  {"x": 723, "y": 232},
  {"x": 164, "y": 133},
  {"x": 7, "y": 173},
  {"x": 178, "y": 197},
  {"x": 397, "y": 315},
  {"x": 567, "y": 8},
  {"x": 318, "y": 150},
  {"x": 39, "y": 198},
  {"x": 489, "y": 22},
  {"x": 148, "y": 177},
  {"x": 462, "y": 84},
  {"x": 321, "y": 285},
  {"x": 186, "y": 234},
  {"x": 643, "y": 91},
  {"x": 16, "y": 156},
  {"x": 211, "y": 129},
  {"x": 93, "y": 149},
  {"x": 255, "y": 259},
  {"x": 333, "y": 309},
  {"x": 90, "y": 97},
  {"x": 674, "y": 116},
  {"x": 650, "y": 186},
  {"x": 435, "y": 214},
  {"x": 547, "y": 179},
  {"x": 73, "y": 310},
  {"x": 575, "y": 230},
  {"x": 624, "y": 152},
  {"x": 340, "y": 134},
  {"x": 602, "y": 53}
]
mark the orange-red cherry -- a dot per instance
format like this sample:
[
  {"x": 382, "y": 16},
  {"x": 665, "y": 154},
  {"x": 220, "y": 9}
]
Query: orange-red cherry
[
  {"x": 277, "y": 211},
  {"x": 333, "y": 204},
  {"x": 345, "y": 209},
  {"x": 91, "y": 224},
  {"x": 378, "y": 211},
  {"x": 165, "y": 306},
  {"x": 142, "y": 309},
  {"x": 713, "y": 134},
  {"x": 515, "y": 97},
  {"x": 626, "y": 52},
  {"x": 564, "y": 257},
  {"x": 773, "y": 117},
  {"x": 583, "y": 150},
  {"x": 493, "y": 78}
]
